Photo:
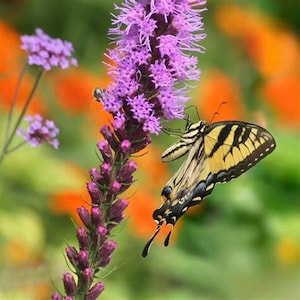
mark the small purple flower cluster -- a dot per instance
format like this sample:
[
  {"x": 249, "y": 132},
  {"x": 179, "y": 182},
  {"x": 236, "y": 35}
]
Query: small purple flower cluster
[
  {"x": 48, "y": 52},
  {"x": 39, "y": 132}
]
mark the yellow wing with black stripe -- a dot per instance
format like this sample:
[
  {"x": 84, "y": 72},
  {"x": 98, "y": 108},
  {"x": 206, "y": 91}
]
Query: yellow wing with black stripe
[{"x": 216, "y": 152}]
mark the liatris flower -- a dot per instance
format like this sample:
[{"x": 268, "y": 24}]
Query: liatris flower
[
  {"x": 151, "y": 38},
  {"x": 47, "y": 52},
  {"x": 37, "y": 132}
]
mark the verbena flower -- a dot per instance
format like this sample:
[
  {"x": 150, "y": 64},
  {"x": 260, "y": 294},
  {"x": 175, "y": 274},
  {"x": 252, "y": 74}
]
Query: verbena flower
[
  {"x": 39, "y": 132},
  {"x": 47, "y": 52},
  {"x": 150, "y": 66}
]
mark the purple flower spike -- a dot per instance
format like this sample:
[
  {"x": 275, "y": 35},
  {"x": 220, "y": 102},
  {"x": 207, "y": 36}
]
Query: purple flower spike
[
  {"x": 153, "y": 38},
  {"x": 151, "y": 62},
  {"x": 37, "y": 132},
  {"x": 48, "y": 52}
]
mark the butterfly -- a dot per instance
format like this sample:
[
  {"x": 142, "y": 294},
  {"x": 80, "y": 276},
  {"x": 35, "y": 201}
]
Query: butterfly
[{"x": 216, "y": 152}]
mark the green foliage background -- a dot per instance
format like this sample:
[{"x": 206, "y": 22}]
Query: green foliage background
[{"x": 228, "y": 251}]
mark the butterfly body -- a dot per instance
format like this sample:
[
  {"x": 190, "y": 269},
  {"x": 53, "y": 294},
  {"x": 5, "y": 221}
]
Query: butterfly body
[{"x": 216, "y": 152}]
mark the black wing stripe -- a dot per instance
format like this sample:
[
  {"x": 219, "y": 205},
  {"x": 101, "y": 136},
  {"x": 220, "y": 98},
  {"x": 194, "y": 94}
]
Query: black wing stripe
[
  {"x": 245, "y": 135},
  {"x": 221, "y": 138},
  {"x": 237, "y": 134}
]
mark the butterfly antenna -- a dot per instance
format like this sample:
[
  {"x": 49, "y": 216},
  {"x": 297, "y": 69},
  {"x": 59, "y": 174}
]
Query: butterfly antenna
[
  {"x": 217, "y": 112},
  {"x": 195, "y": 108}
]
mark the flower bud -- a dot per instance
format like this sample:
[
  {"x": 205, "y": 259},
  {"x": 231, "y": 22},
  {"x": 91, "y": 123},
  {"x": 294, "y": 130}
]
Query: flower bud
[
  {"x": 105, "y": 150},
  {"x": 72, "y": 255},
  {"x": 95, "y": 174},
  {"x": 87, "y": 277},
  {"x": 105, "y": 171},
  {"x": 83, "y": 238},
  {"x": 96, "y": 216},
  {"x": 69, "y": 284},
  {"x": 84, "y": 215},
  {"x": 125, "y": 173},
  {"x": 109, "y": 136},
  {"x": 117, "y": 208},
  {"x": 95, "y": 193},
  {"x": 136, "y": 147},
  {"x": 107, "y": 249},
  {"x": 95, "y": 291},
  {"x": 101, "y": 232},
  {"x": 83, "y": 259},
  {"x": 125, "y": 147},
  {"x": 115, "y": 188}
]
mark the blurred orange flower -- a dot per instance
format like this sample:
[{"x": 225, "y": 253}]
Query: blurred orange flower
[
  {"x": 67, "y": 202},
  {"x": 283, "y": 93},
  {"x": 74, "y": 88},
  {"x": 140, "y": 210},
  {"x": 17, "y": 252},
  {"x": 273, "y": 49},
  {"x": 12, "y": 59},
  {"x": 151, "y": 170},
  {"x": 38, "y": 290},
  {"x": 11, "y": 55},
  {"x": 216, "y": 88}
]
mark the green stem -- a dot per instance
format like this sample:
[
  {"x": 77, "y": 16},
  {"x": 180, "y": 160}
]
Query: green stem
[
  {"x": 8, "y": 151},
  {"x": 9, "y": 137},
  {"x": 13, "y": 104}
]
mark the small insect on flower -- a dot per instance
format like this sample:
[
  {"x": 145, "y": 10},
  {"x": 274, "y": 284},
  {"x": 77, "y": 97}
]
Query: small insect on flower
[
  {"x": 216, "y": 152},
  {"x": 39, "y": 132}
]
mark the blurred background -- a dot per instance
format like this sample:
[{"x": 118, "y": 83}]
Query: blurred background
[{"x": 243, "y": 242}]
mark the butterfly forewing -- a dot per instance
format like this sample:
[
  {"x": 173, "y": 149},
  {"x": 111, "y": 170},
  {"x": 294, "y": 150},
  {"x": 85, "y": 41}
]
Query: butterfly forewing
[{"x": 233, "y": 147}]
